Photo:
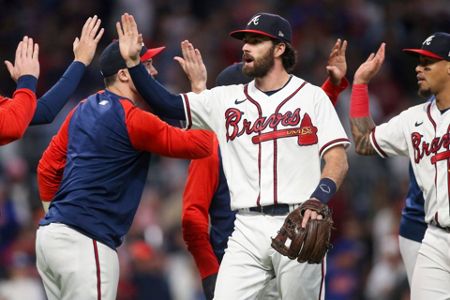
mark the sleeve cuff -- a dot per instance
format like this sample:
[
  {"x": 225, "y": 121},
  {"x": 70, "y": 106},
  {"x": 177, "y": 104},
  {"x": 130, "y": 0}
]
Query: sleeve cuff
[
  {"x": 336, "y": 89},
  {"x": 27, "y": 82},
  {"x": 76, "y": 66},
  {"x": 137, "y": 69}
]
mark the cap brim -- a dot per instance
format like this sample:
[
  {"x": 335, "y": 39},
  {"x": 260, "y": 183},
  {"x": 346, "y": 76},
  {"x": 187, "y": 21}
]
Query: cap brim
[
  {"x": 423, "y": 53},
  {"x": 150, "y": 53},
  {"x": 239, "y": 34}
]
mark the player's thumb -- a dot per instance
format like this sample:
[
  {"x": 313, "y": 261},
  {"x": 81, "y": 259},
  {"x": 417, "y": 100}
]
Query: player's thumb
[
  {"x": 75, "y": 43},
  {"x": 180, "y": 60},
  {"x": 9, "y": 66},
  {"x": 331, "y": 69}
]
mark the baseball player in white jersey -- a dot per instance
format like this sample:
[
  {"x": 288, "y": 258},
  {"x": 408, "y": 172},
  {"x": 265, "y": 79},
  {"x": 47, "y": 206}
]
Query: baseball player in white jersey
[
  {"x": 273, "y": 134},
  {"x": 421, "y": 132}
]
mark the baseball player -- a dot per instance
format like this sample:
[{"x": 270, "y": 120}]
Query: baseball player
[
  {"x": 272, "y": 134},
  {"x": 207, "y": 220},
  {"x": 421, "y": 133},
  {"x": 16, "y": 114},
  {"x": 91, "y": 179}
]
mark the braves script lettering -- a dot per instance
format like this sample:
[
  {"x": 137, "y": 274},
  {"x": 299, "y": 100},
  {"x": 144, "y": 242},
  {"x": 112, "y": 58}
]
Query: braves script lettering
[
  {"x": 237, "y": 125},
  {"x": 423, "y": 148}
]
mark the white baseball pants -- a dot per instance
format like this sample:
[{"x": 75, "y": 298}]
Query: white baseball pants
[
  {"x": 250, "y": 263},
  {"x": 73, "y": 266}
]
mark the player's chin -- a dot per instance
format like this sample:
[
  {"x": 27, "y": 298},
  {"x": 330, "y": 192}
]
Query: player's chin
[{"x": 424, "y": 91}]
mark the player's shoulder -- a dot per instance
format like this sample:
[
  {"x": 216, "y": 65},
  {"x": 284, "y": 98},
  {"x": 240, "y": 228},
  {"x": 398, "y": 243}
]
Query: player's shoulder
[
  {"x": 228, "y": 88},
  {"x": 305, "y": 85},
  {"x": 416, "y": 109},
  {"x": 218, "y": 93}
]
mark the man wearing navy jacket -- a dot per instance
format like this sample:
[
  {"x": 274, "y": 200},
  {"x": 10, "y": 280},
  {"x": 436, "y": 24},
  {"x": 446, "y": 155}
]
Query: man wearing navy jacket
[{"x": 91, "y": 179}]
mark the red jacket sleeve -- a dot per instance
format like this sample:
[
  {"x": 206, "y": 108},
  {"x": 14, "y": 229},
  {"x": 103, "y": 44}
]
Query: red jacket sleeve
[
  {"x": 201, "y": 184},
  {"x": 332, "y": 90},
  {"x": 148, "y": 133},
  {"x": 51, "y": 166},
  {"x": 16, "y": 115}
]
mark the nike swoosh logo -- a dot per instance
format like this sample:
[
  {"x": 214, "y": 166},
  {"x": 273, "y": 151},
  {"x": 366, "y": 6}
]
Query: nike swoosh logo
[
  {"x": 239, "y": 101},
  {"x": 418, "y": 124}
]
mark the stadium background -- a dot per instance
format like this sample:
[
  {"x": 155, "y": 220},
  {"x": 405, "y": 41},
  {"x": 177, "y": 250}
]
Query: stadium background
[{"x": 364, "y": 263}]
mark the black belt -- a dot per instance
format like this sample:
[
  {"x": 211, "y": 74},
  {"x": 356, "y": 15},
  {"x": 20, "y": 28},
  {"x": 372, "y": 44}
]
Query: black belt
[{"x": 273, "y": 210}]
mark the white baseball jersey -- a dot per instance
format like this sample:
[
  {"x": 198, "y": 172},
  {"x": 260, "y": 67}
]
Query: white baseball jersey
[
  {"x": 271, "y": 146},
  {"x": 422, "y": 132}
]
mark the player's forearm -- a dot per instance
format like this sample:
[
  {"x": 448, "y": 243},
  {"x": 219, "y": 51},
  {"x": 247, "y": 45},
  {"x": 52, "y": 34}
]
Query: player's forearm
[
  {"x": 361, "y": 122},
  {"x": 148, "y": 133},
  {"x": 332, "y": 90},
  {"x": 49, "y": 180},
  {"x": 51, "y": 103},
  {"x": 336, "y": 165},
  {"x": 16, "y": 114},
  {"x": 162, "y": 102},
  {"x": 361, "y": 129}
]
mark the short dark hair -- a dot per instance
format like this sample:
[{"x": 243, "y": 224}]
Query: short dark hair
[
  {"x": 289, "y": 58},
  {"x": 110, "y": 80}
]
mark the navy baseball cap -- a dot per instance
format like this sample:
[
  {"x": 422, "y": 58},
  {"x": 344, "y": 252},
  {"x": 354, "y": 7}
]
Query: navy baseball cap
[
  {"x": 232, "y": 75},
  {"x": 436, "y": 46},
  {"x": 111, "y": 60},
  {"x": 271, "y": 25}
]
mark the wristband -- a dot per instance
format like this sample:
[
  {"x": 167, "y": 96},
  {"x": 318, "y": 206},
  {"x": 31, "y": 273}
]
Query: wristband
[
  {"x": 27, "y": 82},
  {"x": 325, "y": 190},
  {"x": 359, "y": 101}
]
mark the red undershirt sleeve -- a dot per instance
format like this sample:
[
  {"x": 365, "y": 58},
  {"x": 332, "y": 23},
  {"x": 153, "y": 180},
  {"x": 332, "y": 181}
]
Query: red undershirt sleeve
[
  {"x": 16, "y": 114},
  {"x": 201, "y": 184},
  {"x": 51, "y": 166},
  {"x": 148, "y": 133},
  {"x": 332, "y": 90}
]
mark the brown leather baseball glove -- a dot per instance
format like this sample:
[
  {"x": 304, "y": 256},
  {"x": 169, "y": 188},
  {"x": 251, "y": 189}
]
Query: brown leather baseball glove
[{"x": 308, "y": 244}]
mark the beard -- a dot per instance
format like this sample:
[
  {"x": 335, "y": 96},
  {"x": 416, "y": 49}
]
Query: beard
[
  {"x": 425, "y": 93},
  {"x": 261, "y": 66}
]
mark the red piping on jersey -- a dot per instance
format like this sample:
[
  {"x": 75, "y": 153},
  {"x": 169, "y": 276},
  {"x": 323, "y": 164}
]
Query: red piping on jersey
[
  {"x": 374, "y": 140},
  {"x": 448, "y": 176},
  {"x": 259, "y": 145},
  {"x": 97, "y": 265},
  {"x": 188, "y": 111},
  {"x": 434, "y": 126},
  {"x": 430, "y": 117},
  {"x": 322, "y": 279},
  {"x": 330, "y": 143},
  {"x": 275, "y": 146}
]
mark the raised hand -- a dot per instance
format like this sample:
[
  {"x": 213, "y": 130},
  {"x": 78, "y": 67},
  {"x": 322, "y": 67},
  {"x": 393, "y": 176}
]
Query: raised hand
[
  {"x": 130, "y": 41},
  {"x": 337, "y": 64},
  {"x": 192, "y": 64},
  {"x": 84, "y": 47},
  {"x": 26, "y": 61},
  {"x": 370, "y": 67}
]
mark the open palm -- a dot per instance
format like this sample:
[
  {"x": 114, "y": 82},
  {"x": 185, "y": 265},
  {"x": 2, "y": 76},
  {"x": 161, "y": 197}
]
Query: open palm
[{"x": 130, "y": 41}]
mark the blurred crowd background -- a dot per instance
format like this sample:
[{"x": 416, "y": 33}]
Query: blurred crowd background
[{"x": 365, "y": 261}]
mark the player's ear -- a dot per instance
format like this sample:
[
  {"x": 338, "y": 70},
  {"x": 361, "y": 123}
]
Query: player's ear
[
  {"x": 123, "y": 75},
  {"x": 279, "y": 49}
]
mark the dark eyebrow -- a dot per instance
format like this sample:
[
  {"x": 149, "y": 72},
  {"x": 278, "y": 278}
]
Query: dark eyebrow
[{"x": 424, "y": 61}]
